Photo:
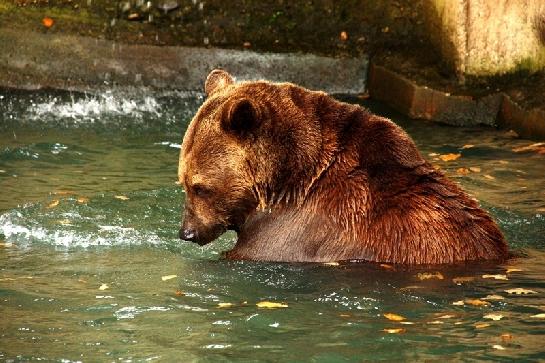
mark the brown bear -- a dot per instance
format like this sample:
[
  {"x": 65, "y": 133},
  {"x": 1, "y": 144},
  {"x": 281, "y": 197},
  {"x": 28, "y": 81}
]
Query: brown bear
[{"x": 303, "y": 177}]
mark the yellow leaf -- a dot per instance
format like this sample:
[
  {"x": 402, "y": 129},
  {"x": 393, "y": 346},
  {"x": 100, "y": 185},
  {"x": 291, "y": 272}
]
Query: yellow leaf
[
  {"x": 512, "y": 269},
  {"x": 430, "y": 275},
  {"x": 468, "y": 146},
  {"x": 539, "y": 316},
  {"x": 520, "y": 291},
  {"x": 505, "y": 337},
  {"x": 436, "y": 322},
  {"x": 64, "y": 192},
  {"x": 168, "y": 277},
  {"x": 475, "y": 169},
  {"x": 394, "y": 317},
  {"x": 406, "y": 322},
  {"x": 476, "y": 302},
  {"x": 458, "y": 303},
  {"x": 121, "y": 197},
  {"x": 489, "y": 177},
  {"x": 225, "y": 305},
  {"x": 393, "y": 330},
  {"x": 493, "y": 297},
  {"x": 179, "y": 293},
  {"x": 462, "y": 171},
  {"x": 387, "y": 266},
  {"x": 481, "y": 325},
  {"x": 460, "y": 280},
  {"x": 53, "y": 204},
  {"x": 449, "y": 157},
  {"x": 345, "y": 315},
  {"x": 270, "y": 305},
  {"x": 493, "y": 316},
  {"x": 331, "y": 263},
  {"x": 103, "y": 287},
  {"x": 83, "y": 200},
  {"x": 446, "y": 316},
  {"x": 498, "y": 347},
  {"x": 495, "y": 277}
]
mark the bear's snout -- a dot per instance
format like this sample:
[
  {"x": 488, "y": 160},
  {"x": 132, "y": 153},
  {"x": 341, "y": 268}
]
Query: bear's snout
[{"x": 187, "y": 234}]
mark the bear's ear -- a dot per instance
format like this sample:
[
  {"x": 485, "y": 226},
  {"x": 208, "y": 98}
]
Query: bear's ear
[
  {"x": 241, "y": 118},
  {"x": 217, "y": 80}
]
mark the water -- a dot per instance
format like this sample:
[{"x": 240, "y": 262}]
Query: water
[{"x": 89, "y": 212}]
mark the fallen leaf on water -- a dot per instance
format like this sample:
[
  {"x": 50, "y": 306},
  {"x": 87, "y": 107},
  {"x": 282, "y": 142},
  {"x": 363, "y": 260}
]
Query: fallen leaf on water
[
  {"x": 433, "y": 154},
  {"x": 386, "y": 266},
  {"x": 489, "y": 177},
  {"x": 460, "y": 280},
  {"x": 436, "y": 322},
  {"x": 83, "y": 281},
  {"x": 493, "y": 316},
  {"x": 64, "y": 192},
  {"x": 446, "y": 316},
  {"x": 476, "y": 302},
  {"x": 83, "y": 200},
  {"x": 538, "y": 147},
  {"x": 411, "y": 287},
  {"x": 475, "y": 169},
  {"x": 331, "y": 263},
  {"x": 462, "y": 171},
  {"x": 103, "y": 287},
  {"x": 406, "y": 322},
  {"x": 449, "y": 157},
  {"x": 394, "y": 317},
  {"x": 511, "y": 269},
  {"x": 430, "y": 275},
  {"x": 345, "y": 315},
  {"x": 393, "y": 330},
  {"x": 48, "y": 22},
  {"x": 459, "y": 303},
  {"x": 505, "y": 337},
  {"x": 270, "y": 305},
  {"x": 493, "y": 297},
  {"x": 538, "y": 316},
  {"x": 53, "y": 204},
  {"x": 179, "y": 293},
  {"x": 495, "y": 277},
  {"x": 225, "y": 305},
  {"x": 481, "y": 325},
  {"x": 168, "y": 277},
  {"x": 520, "y": 291},
  {"x": 121, "y": 197},
  {"x": 343, "y": 36},
  {"x": 468, "y": 146},
  {"x": 498, "y": 347}
]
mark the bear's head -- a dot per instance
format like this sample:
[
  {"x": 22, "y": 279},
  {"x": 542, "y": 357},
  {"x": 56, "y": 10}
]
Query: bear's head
[{"x": 250, "y": 145}]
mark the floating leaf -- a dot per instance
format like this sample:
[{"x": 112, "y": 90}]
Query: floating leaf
[
  {"x": 331, "y": 263},
  {"x": 436, "y": 322},
  {"x": 446, "y": 316},
  {"x": 475, "y": 169},
  {"x": 48, "y": 22},
  {"x": 538, "y": 147},
  {"x": 343, "y": 36},
  {"x": 520, "y": 291},
  {"x": 505, "y": 337},
  {"x": 53, "y": 204},
  {"x": 168, "y": 277},
  {"x": 449, "y": 157},
  {"x": 406, "y": 322},
  {"x": 83, "y": 200},
  {"x": 493, "y": 316},
  {"x": 538, "y": 316},
  {"x": 468, "y": 146},
  {"x": 460, "y": 280},
  {"x": 270, "y": 305},
  {"x": 225, "y": 305},
  {"x": 489, "y": 177},
  {"x": 498, "y": 347},
  {"x": 481, "y": 325},
  {"x": 430, "y": 275},
  {"x": 103, "y": 287},
  {"x": 459, "y": 303},
  {"x": 495, "y": 277},
  {"x": 121, "y": 197},
  {"x": 462, "y": 171},
  {"x": 493, "y": 297},
  {"x": 394, "y": 317},
  {"x": 476, "y": 302},
  {"x": 179, "y": 293},
  {"x": 512, "y": 269},
  {"x": 387, "y": 266},
  {"x": 393, "y": 330},
  {"x": 345, "y": 315}
]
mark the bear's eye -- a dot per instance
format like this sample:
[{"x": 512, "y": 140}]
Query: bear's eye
[{"x": 201, "y": 190}]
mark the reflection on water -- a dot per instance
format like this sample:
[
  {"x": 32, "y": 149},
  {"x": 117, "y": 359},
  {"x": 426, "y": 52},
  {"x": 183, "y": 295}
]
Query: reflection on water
[{"x": 88, "y": 201}]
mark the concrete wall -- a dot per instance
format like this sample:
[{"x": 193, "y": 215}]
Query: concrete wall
[{"x": 488, "y": 37}]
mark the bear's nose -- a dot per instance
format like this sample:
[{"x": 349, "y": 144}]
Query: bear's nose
[{"x": 187, "y": 234}]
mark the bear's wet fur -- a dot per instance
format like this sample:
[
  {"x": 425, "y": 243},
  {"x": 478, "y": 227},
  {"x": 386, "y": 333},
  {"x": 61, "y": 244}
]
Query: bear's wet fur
[{"x": 302, "y": 177}]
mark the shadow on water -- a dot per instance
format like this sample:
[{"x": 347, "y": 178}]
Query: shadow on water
[{"x": 91, "y": 268}]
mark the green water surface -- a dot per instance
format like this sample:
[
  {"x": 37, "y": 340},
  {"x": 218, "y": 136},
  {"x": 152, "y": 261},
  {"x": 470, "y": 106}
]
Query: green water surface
[{"x": 88, "y": 200}]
